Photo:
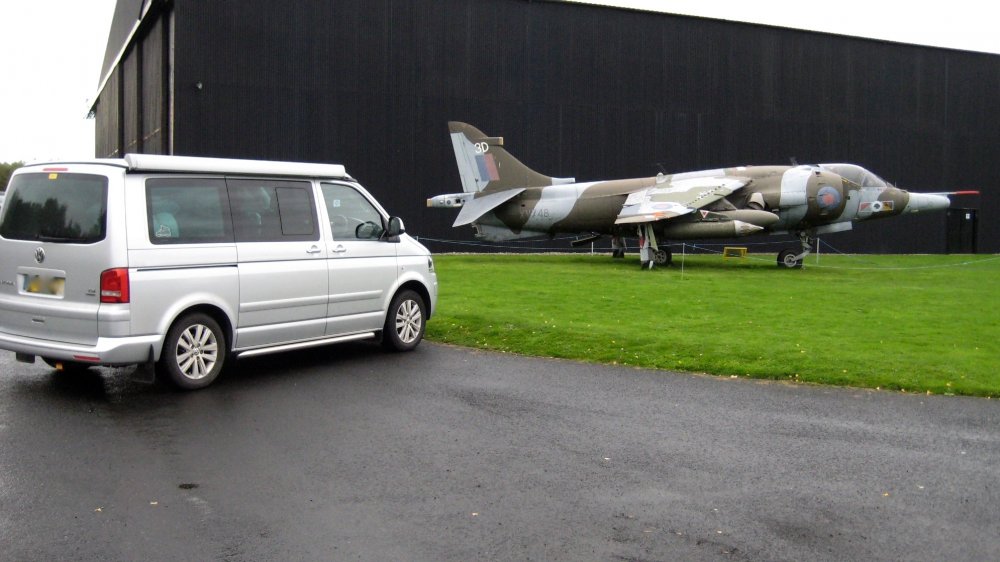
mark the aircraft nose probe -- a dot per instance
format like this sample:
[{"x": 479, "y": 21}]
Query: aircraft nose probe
[
  {"x": 926, "y": 202},
  {"x": 920, "y": 202}
]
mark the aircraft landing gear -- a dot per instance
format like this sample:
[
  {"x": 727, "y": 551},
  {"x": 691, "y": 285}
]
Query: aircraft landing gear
[
  {"x": 791, "y": 259},
  {"x": 663, "y": 257},
  {"x": 649, "y": 254}
]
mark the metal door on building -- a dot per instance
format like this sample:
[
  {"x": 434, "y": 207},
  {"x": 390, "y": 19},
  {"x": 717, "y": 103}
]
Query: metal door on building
[{"x": 961, "y": 237}]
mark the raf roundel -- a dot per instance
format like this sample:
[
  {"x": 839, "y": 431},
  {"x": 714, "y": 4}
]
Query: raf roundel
[{"x": 828, "y": 199}]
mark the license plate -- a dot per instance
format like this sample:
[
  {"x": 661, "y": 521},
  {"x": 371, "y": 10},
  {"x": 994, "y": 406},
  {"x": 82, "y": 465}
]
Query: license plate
[{"x": 44, "y": 285}]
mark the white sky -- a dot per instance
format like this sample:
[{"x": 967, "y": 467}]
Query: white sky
[{"x": 51, "y": 52}]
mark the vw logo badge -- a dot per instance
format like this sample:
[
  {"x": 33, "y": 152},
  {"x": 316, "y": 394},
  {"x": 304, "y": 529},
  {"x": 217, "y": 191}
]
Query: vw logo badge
[{"x": 39, "y": 255}]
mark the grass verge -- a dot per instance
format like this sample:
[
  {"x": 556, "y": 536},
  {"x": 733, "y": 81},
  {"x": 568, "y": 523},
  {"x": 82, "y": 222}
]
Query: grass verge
[{"x": 912, "y": 323}]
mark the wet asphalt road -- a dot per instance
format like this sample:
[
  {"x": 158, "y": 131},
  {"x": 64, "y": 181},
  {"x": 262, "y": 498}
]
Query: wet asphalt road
[{"x": 349, "y": 453}]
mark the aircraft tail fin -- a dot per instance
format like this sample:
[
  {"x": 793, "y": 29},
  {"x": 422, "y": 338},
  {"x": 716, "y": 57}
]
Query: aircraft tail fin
[{"x": 485, "y": 165}]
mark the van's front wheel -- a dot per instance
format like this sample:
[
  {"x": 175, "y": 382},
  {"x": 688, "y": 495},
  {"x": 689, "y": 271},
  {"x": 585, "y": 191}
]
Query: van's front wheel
[
  {"x": 404, "y": 323},
  {"x": 193, "y": 353}
]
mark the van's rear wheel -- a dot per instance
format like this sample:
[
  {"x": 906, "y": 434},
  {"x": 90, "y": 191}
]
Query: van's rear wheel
[
  {"x": 193, "y": 353},
  {"x": 404, "y": 323}
]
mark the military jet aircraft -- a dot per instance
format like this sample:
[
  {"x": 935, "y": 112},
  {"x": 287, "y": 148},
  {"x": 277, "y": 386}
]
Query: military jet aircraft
[{"x": 502, "y": 199}]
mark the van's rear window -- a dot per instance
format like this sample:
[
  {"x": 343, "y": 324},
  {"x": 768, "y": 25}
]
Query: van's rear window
[{"x": 56, "y": 207}]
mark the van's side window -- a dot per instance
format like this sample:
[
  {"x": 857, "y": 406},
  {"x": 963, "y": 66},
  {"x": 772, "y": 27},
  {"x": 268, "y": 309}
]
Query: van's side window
[
  {"x": 187, "y": 211},
  {"x": 349, "y": 210},
  {"x": 273, "y": 210}
]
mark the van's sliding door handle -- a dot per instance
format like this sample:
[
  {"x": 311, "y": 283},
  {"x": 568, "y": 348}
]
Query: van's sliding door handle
[{"x": 340, "y": 249}]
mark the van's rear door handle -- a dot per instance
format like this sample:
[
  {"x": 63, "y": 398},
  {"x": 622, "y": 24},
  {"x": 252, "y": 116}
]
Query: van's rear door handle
[
  {"x": 314, "y": 249},
  {"x": 340, "y": 249}
]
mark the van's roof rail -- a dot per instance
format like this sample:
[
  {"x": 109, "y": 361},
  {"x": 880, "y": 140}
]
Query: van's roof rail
[{"x": 162, "y": 163}]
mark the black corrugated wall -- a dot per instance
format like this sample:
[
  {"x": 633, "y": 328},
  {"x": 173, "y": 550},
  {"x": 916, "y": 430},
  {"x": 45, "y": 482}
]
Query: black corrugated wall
[
  {"x": 133, "y": 107},
  {"x": 576, "y": 90}
]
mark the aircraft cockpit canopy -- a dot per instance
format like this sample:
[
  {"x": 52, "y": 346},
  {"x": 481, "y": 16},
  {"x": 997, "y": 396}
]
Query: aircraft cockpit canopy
[{"x": 857, "y": 174}]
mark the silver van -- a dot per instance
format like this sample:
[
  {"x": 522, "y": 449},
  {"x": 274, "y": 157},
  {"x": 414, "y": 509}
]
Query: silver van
[{"x": 181, "y": 263}]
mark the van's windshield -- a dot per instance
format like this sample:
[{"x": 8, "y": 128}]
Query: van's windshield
[{"x": 55, "y": 207}]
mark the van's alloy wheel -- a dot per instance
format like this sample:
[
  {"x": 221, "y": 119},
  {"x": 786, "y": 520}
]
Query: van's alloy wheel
[
  {"x": 409, "y": 320},
  {"x": 194, "y": 352},
  {"x": 404, "y": 323},
  {"x": 197, "y": 351}
]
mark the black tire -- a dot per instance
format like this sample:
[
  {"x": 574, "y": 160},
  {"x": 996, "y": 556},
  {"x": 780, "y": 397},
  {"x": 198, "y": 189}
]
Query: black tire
[
  {"x": 786, "y": 259},
  {"x": 663, "y": 257},
  {"x": 194, "y": 352},
  {"x": 66, "y": 366},
  {"x": 405, "y": 322}
]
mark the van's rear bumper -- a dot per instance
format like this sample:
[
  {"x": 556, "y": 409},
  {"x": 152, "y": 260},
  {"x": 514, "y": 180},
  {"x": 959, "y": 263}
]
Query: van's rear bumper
[{"x": 107, "y": 351}]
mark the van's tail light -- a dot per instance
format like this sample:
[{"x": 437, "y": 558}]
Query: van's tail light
[{"x": 114, "y": 285}]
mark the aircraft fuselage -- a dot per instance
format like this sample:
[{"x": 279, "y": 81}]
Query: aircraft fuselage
[{"x": 776, "y": 198}]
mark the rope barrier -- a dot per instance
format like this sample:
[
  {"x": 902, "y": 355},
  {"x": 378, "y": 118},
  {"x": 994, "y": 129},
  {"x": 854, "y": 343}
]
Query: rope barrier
[{"x": 706, "y": 248}]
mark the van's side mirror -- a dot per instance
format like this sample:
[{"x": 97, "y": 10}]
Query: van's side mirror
[{"x": 395, "y": 228}]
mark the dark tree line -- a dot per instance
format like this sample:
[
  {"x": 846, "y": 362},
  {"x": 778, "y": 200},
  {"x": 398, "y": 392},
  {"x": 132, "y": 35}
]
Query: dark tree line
[{"x": 6, "y": 169}]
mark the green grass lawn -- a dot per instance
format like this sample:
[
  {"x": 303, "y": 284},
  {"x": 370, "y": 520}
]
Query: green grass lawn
[{"x": 913, "y": 323}]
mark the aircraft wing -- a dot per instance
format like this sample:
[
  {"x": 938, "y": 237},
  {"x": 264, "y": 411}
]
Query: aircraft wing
[
  {"x": 479, "y": 206},
  {"x": 675, "y": 198}
]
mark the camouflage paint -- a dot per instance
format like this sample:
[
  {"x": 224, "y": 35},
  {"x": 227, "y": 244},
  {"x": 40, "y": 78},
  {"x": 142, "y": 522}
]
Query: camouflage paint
[{"x": 691, "y": 205}]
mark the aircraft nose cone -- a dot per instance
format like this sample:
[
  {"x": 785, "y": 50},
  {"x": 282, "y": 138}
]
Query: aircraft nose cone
[
  {"x": 745, "y": 228},
  {"x": 920, "y": 202}
]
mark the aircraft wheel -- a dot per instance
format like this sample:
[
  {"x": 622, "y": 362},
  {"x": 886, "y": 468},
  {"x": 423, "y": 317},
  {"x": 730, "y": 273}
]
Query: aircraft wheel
[
  {"x": 786, "y": 259},
  {"x": 663, "y": 257}
]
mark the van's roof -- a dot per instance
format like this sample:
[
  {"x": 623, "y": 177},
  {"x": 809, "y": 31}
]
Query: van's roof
[{"x": 197, "y": 164}]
